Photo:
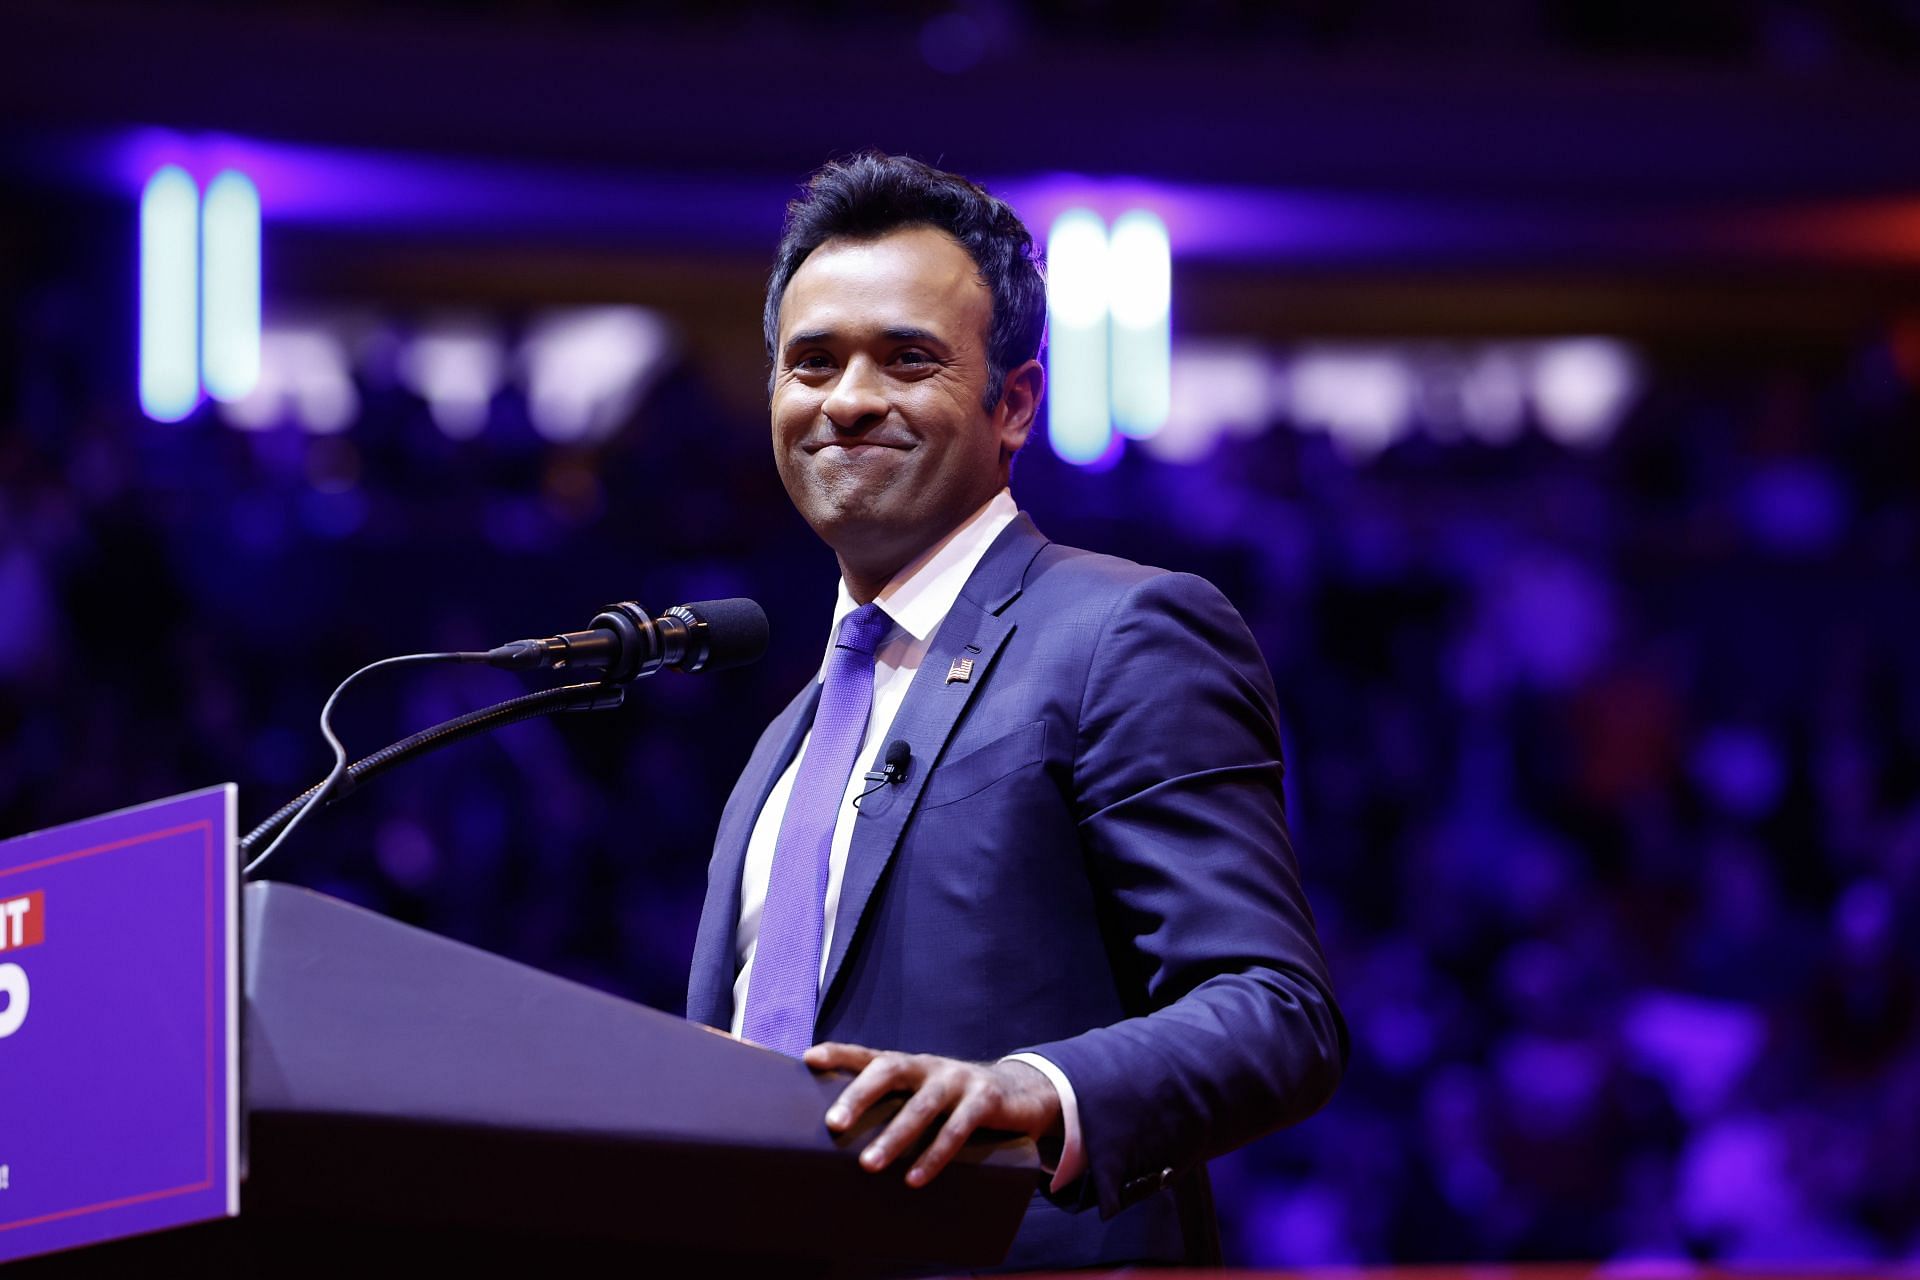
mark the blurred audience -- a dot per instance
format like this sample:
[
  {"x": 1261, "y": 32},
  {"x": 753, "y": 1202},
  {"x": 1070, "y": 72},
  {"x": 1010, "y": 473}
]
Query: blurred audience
[{"x": 1605, "y": 766}]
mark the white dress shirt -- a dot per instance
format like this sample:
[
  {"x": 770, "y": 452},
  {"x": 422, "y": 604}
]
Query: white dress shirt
[{"x": 916, "y": 601}]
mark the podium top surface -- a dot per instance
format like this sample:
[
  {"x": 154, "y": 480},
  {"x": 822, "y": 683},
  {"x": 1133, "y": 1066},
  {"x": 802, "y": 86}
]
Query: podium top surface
[
  {"x": 390, "y": 1073},
  {"x": 352, "y": 1013}
]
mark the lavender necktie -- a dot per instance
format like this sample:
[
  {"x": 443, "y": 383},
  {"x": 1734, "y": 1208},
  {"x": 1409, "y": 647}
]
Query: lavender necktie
[{"x": 784, "y": 991}]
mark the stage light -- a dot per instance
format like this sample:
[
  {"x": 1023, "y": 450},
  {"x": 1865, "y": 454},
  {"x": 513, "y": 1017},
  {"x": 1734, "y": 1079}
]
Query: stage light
[
  {"x": 1225, "y": 388},
  {"x": 1361, "y": 396},
  {"x": 306, "y": 377},
  {"x": 1582, "y": 387},
  {"x": 169, "y": 374},
  {"x": 1079, "y": 422},
  {"x": 1140, "y": 267},
  {"x": 456, "y": 366},
  {"x": 588, "y": 368},
  {"x": 320, "y": 383},
  {"x": 1493, "y": 396},
  {"x": 230, "y": 287}
]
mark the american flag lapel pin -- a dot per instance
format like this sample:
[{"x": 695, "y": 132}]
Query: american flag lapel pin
[{"x": 961, "y": 671}]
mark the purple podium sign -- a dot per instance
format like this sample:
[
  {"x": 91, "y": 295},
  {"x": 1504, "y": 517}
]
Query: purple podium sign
[{"x": 119, "y": 1025}]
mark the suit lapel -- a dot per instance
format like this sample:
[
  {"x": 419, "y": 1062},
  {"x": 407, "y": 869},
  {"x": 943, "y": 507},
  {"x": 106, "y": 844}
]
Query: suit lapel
[
  {"x": 710, "y": 987},
  {"x": 973, "y": 629}
]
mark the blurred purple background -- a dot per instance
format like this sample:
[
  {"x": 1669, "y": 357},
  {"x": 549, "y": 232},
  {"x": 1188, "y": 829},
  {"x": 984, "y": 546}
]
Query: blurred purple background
[{"x": 1545, "y": 392}]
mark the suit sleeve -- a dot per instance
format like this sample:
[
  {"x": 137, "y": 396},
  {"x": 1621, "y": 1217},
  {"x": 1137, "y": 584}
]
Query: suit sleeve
[{"x": 1177, "y": 791}]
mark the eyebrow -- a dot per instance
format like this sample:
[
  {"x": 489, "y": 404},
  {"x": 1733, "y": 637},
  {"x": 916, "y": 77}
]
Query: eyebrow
[
  {"x": 909, "y": 334},
  {"x": 893, "y": 333}
]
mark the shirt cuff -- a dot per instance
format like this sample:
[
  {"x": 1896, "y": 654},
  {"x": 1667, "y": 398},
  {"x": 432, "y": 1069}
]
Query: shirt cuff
[{"x": 1073, "y": 1158}]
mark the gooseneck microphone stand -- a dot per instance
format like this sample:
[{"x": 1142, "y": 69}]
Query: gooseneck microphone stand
[
  {"x": 571, "y": 697},
  {"x": 624, "y": 643}
]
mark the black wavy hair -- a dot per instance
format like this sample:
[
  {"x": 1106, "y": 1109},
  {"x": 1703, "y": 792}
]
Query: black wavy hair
[{"x": 865, "y": 196}]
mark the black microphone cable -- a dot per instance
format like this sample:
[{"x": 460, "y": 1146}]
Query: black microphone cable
[
  {"x": 566, "y": 697},
  {"x": 339, "y": 770}
]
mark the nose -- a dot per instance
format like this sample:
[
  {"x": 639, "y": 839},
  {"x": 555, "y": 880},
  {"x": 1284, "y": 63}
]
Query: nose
[{"x": 858, "y": 400}]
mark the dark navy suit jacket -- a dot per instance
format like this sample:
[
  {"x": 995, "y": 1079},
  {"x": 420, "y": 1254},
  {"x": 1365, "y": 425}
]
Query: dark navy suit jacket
[{"x": 1088, "y": 859}]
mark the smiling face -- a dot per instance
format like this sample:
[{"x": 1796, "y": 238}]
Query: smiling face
[{"x": 880, "y": 429}]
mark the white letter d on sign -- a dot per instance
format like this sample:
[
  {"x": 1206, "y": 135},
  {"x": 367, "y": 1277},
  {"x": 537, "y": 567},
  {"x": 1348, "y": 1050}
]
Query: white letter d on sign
[{"x": 13, "y": 986}]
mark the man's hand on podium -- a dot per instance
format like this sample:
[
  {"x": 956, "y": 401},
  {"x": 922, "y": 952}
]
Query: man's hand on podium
[{"x": 1008, "y": 1096}]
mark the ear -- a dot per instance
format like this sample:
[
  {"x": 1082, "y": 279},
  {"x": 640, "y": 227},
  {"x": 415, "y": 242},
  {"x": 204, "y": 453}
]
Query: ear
[{"x": 1019, "y": 404}]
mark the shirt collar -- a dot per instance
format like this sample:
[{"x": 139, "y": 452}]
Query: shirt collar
[{"x": 918, "y": 598}]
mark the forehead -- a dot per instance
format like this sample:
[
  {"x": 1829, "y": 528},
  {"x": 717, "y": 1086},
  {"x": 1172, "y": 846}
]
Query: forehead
[{"x": 917, "y": 277}]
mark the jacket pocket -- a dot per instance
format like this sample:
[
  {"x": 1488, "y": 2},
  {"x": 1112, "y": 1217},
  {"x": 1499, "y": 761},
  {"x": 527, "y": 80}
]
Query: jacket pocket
[{"x": 974, "y": 772}]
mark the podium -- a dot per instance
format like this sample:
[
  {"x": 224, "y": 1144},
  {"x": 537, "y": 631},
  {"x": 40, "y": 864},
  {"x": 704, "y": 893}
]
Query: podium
[{"x": 411, "y": 1098}]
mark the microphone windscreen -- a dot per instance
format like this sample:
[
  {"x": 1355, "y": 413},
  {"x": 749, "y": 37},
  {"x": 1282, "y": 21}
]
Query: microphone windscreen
[{"x": 736, "y": 631}]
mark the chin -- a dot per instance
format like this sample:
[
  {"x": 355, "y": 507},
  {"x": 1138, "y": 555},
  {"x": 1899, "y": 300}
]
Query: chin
[
  {"x": 832, "y": 507},
  {"x": 850, "y": 528},
  {"x": 876, "y": 540}
]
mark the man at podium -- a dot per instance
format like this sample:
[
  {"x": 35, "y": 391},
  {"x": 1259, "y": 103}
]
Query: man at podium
[{"x": 1019, "y": 851}]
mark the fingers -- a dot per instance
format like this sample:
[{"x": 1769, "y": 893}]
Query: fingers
[
  {"x": 937, "y": 1090},
  {"x": 953, "y": 1135},
  {"x": 969, "y": 1095},
  {"x": 880, "y": 1074},
  {"x": 829, "y": 1055}
]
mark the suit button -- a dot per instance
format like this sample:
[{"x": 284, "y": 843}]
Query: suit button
[{"x": 1148, "y": 1183}]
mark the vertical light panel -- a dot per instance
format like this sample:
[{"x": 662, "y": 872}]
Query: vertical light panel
[
  {"x": 169, "y": 288},
  {"x": 1141, "y": 295},
  {"x": 1079, "y": 424},
  {"x": 230, "y": 287}
]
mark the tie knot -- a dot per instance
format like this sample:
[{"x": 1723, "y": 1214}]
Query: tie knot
[{"x": 861, "y": 630}]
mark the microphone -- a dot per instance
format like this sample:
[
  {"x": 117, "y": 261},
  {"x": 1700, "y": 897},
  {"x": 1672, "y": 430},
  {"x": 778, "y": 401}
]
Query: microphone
[
  {"x": 893, "y": 768},
  {"x": 625, "y": 642}
]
